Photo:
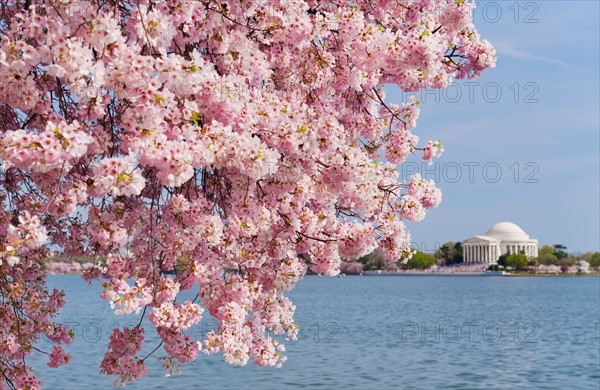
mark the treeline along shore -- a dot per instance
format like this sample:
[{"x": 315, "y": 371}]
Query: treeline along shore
[{"x": 447, "y": 260}]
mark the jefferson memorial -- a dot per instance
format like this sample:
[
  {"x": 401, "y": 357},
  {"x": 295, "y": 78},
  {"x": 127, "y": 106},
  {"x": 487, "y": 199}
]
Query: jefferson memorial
[{"x": 502, "y": 238}]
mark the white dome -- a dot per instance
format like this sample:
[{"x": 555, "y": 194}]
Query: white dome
[{"x": 507, "y": 231}]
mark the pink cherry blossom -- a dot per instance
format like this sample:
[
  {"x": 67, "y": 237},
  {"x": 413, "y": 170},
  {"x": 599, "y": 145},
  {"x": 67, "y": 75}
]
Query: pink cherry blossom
[
  {"x": 58, "y": 357},
  {"x": 230, "y": 146},
  {"x": 117, "y": 176}
]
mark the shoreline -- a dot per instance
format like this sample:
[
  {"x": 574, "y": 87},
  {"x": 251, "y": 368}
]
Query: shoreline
[
  {"x": 78, "y": 271},
  {"x": 518, "y": 275}
]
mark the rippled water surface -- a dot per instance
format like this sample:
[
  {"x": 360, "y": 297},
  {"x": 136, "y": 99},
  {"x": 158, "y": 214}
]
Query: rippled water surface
[{"x": 381, "y": 332}]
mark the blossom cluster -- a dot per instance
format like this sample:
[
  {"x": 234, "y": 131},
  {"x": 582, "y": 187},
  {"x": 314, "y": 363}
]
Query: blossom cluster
[
  {"x": 121, "y": 358},
  {"x": 119, "y": 143},
  {"x": 176, "y": 316}
]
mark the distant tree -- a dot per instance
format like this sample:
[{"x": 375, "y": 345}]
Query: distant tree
[
  {"x": 587, "y": 256},
  {"x": 502, "y": 260},
  {"x": 351, "y": 268},
  {"x": 450, "y": 253},
  {"x": 568, "y": 261},
  {"x": 552, "y": 255},
  {"x": 445, "y": 252},
  {"x": 564, "y": 268},
  {"x": 391, "y": 267},
  {"x": 546, "y": 249},
  {"x": 420, "y": 260},
  {"x": 595, "y": 260},
  {"x": 516, "y": 261},
  {"x": 458, "y": 253},
  {"x": 364, "y": 260},
  {"x": 373, "y": 261},
  {"x": 560, "y": 251},
  {"x": 547, "y": 259}
]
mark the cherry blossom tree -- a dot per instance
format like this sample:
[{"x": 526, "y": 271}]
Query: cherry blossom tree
[{"x": 222, "y": 146}]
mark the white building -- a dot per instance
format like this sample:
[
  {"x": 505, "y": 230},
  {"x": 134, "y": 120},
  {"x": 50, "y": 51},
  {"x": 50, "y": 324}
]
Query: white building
[{"x": 502, "y": 238}]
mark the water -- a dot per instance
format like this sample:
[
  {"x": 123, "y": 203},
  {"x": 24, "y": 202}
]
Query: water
[{"x": 421, "y": 332}]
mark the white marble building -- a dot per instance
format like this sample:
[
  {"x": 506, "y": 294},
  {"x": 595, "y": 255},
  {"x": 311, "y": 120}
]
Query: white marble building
[{"x": 502, "y": 238}]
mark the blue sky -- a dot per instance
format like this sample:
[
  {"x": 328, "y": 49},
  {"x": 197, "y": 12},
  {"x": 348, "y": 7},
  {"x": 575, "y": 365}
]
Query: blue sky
[{"x": 530, "y": 153}]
